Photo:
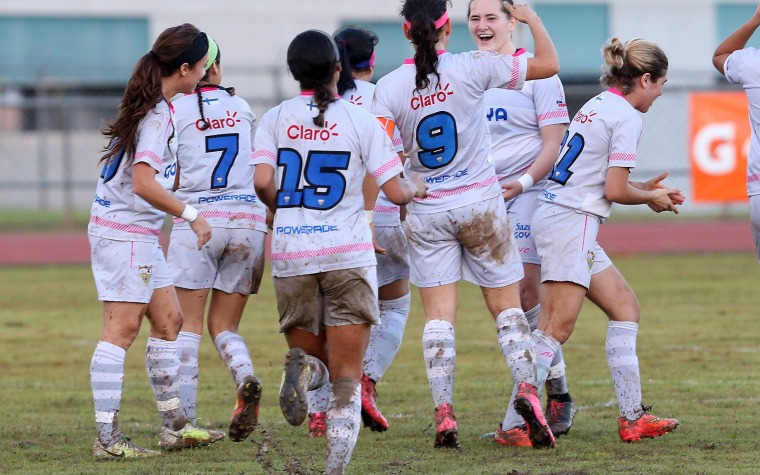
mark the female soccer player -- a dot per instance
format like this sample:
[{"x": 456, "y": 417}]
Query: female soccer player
[
  {"x": 526, "y": 129},
  {"x": 215, "y": 133},
  {"x": 461, "y": 228},
  {"x": 357, "y": 50},
  {"x": 740, "y": 66},
  {"x": 130, "y": 272},
  {"x": 312, "y": 153},
  {"x": 591, "y": 172}
]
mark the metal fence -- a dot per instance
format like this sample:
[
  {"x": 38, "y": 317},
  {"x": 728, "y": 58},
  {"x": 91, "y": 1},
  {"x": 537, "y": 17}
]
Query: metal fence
[{"x": 50, "y": 146}]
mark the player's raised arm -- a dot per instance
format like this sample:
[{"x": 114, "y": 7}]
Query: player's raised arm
[
  {"x": 545, "y": 62},
  {"x": 735, "y": 41}
]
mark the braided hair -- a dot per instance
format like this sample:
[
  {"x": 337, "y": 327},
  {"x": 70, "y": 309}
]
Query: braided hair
[
  {"x": 313, "y": 58},
  {"x": 204, "y": 83},
  {"x": 422, "y": 15}
]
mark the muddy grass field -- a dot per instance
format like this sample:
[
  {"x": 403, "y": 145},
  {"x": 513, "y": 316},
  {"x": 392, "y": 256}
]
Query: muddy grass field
[{"x": 698, "y": 350}]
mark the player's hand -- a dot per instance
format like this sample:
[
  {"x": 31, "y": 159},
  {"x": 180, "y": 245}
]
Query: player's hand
[
  {"x": 511, "y": 189},
  {"x": 378, "y": 249},
  {"x": 201, "y": 229},
  {"x": 662, "y": 202},
  {"x": 269, "y": 219},
  {"x": 521, "y": 12},
  {"x": 418, "y": 185},
  {"x": 676, "y": 197}
]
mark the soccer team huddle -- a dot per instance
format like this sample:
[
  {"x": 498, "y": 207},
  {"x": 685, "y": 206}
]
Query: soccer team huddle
[{"x": 453, "y": 166}]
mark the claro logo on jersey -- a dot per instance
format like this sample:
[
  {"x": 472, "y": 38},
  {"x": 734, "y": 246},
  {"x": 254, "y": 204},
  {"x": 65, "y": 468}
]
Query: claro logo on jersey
[
  {"x": 583, "y": 118},
  {"x": 301, "y": 132},
  {"x": 215, "y": 124},
  {"x": 437, "y": 97}
]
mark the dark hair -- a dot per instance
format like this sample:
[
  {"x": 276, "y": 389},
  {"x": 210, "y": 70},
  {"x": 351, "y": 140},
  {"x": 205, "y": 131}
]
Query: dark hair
[
  {"x": 204, "y": 82},
  {"x": 503, "y": 9},
  {"x": 422, "y": 15},
  {"x": 356, "y": 46},
  {"x": 313, "y": 58},
  {"x": 623, "y": 63},
  {"x": 143, "y": 90}
]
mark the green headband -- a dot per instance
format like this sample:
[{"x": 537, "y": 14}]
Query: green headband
[{"x": 213, "y": 51}]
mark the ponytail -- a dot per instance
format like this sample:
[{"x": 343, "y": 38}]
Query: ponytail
[{"x": 422, "y": 16}]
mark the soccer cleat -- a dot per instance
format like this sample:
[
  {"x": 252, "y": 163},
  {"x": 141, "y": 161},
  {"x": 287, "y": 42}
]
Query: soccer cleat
[
  {"x": 645, "y": 427},
  {"x": 246, "y": 412},
  {"x": 559, "y": 416},
  {"x": 528, "y": 406},
  {"x": 514, "y": 437},
  {"x": 294, "y": 386},
  {"x": 317, "y": 424},
  {"x": 371, "y": 415},
  {"x": 188, "y": 437},
  {"x": 446, "y": 434},
  {"x": 123, "y": 449}
]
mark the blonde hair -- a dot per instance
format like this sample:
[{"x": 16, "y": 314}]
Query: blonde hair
[{"x": 624, "y": 62}]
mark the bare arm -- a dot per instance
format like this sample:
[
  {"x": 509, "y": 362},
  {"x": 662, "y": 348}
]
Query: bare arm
[
  {"x": 735, "y": 41},
  {"x": 618, "y": 189},
  {"x": 544, "y": 62},
  {"x": 263, "y": 183},
  {"x": 146, "y": 187},
  {"x": 551, "y": 136},
  {"x": 401, "y": 191}
]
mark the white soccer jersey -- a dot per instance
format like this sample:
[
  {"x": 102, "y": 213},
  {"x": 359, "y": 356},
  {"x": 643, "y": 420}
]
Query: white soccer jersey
[
  {"x": 743, "y": 67},
  {"x": 216, "y": 175},
  {"x": 386, "y": 213},
  {"x": 117, "y": 212},
  {"x": 319, "y": 225},
  {"x": 444, "y": 128},
  {"x": 515, "y": 118},
  {"x": 604, "y": 133}
]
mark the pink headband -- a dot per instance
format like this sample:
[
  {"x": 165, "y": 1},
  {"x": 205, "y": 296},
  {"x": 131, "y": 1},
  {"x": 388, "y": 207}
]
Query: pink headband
[{"x": 438, "y": 23}]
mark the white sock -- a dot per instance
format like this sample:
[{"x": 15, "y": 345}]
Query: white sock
[
  {"x": 106, "y": 378},
  {"x": 319, "y": 399},
  {"x": 546, "y": 348},
  {"x": 532, "y": 316},
  {"x": 343, "y": 423},
  {"x": 624, "y": 367},
  {"x": 162, "y": 365},
  {"x": 187, "y": 350},
  {"x": 516, "y": 344},
  {"x": 438, "y": 345},
  {"x": 234, "y": 352},
  {"x": 385, "y": 338}
]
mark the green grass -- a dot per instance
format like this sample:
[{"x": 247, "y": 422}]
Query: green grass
[
  {"x": 697, "y": 348},
  {"x": 25, "y": 220}
]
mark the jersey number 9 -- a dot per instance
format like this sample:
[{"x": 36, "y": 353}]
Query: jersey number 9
[{"x": 437, "y": 139}]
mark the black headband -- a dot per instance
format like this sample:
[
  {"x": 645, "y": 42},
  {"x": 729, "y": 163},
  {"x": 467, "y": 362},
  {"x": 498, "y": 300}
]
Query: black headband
[{"x": 192, "y": 54}]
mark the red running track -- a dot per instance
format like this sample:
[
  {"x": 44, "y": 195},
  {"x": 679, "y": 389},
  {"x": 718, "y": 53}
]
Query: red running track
[{"x": 626, "y": 238}]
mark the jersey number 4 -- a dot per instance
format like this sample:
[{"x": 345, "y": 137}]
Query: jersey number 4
[
  {"x": 561, "y": 171},
  {"x": 326, "y": 185}
]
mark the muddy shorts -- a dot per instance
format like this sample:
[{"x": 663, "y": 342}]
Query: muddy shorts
[
  {"x": 332, "y": 298},
  {"x": 127, "y": 271},
  {"x": 473, "y": 242},
  {"x": 394, "y": 264},
  {"x": 566, "y": 242},
  {"x": 520, "y": 211},
  {"x": 232, "y": 261}
]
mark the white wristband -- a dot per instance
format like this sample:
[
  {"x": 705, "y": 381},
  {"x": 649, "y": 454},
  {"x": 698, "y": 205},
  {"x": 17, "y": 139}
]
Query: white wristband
[
  {"x": 526, "y": 181},
  {"x": 189, "y": 214},
  {"x": 368, "y": 215}
]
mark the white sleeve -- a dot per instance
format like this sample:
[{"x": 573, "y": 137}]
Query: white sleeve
[
  {"x": 549, "y": 101},
  {"x": 265, "y": 141},
  {"x": 624, "y": 141},
  {"x": 741, "y": 67},
  {"x": 153, "y": 135},
  {"x": 502, "y": 70},
  {"x": 379, "y": 157}
]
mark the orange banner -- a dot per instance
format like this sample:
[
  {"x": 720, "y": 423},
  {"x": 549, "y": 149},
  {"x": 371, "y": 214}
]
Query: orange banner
[{"x": 719, "y": 143}]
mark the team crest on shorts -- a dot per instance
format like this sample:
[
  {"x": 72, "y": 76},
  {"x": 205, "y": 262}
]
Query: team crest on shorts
[
  {"x": 146, "y": 272},
  {"x": 590, "y": 259}
]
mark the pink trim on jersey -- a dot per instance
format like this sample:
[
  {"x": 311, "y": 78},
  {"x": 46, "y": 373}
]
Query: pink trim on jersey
[
  {"x": 127, "y": 228},
  {"x": 312, "y": 253},
  {"x": 615, "y": 91},
  {"x": 387, "y": 209},
  {"x": 149, "y": 153},
  {"x": 411, "y": 60},
  {"x": 519, "y": 51},
  {"x": 387, "y": 166},
  {"x": 560, "y": 114},
  {"x": 458, "y": 191},
  {"x": 229, "y": 215},
  {"x": 585, "y": 226},
  {"x": 515, "y": 73},
  {"x": 265, "y": 154},
  {"x": 131, "y": 254},
  {"x": 622, "y": 157},
  {"x": 397, "y": 142},
  {"x": 753, "y": 178}
]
